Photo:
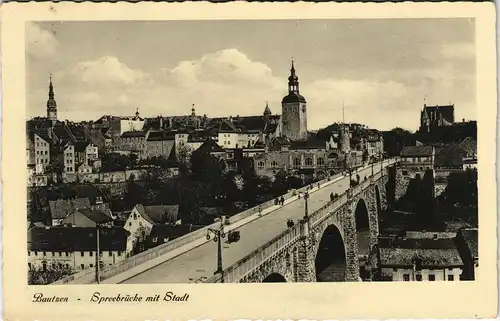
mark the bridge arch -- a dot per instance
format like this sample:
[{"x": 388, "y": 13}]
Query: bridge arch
[
  {"x": 362, "y": 219},
  {"x": 330, "y": 261},
  {"x": 377, "y": 199},
  {"x": 274, "y": 277}
]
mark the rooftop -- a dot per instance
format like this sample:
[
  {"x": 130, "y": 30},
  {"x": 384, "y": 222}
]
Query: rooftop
[
  {"x": 70, "y": 239},
  {"x": 417, "y": 151}
]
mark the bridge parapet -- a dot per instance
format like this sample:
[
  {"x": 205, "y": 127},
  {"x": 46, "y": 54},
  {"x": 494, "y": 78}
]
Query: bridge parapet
[{"x": 274, "y": 247}]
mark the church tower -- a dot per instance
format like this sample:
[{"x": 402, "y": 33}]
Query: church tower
[
  {"x": 294, "y": 113},
  {"x": 51, "y": 104}
]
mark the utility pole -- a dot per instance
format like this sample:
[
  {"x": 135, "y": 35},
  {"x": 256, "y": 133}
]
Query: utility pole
[{"x": 97, "y": 257}]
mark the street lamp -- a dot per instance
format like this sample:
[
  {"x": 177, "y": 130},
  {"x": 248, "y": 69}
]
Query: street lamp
[{"x": 218, "y": 236}]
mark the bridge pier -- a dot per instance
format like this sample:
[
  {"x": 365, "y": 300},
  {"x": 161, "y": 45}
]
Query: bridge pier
[{"x": 304, "y": 264}]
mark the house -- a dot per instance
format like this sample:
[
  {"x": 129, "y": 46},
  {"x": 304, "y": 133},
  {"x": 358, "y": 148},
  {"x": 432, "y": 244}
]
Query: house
[
  {"x": 87, "y": 218},
  {"x": 61, "y": 208},
  {"x": 74, "y": 247},
  {"x": 462, "y": 155},
  {"x": 163, "y": 233},
  {"x": 134, "y": 142},
  {"x": 467, "y": 245},
  {"x": 418, "y": 259},
  {"x": 418, "y": 157},
  {"x": 159, "y": 144},
  {"x": 142, "y": 219}
]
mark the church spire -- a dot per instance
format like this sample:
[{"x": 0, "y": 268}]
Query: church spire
[
  {"x": 293, "y": 80},
  {"x": 51, "y": 103}
]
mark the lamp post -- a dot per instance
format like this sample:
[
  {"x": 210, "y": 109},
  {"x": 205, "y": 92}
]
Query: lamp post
[
  {"x": 306, "y": 208},
  {"x": 97, "y": 256},
  {"x": 218, "y": 236}
]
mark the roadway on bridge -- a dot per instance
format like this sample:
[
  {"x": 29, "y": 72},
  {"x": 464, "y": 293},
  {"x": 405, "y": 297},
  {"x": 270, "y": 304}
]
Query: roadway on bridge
[{"x": 201, "y": 262}]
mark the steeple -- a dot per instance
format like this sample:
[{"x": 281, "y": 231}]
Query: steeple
[
  {"x": 267, "y": 110},
  {"x": 137, "y": 113},
  {"x": 293, "y": 80},
  {"x": 193, "y": 111},
  {"x": 51, "y": 103}
]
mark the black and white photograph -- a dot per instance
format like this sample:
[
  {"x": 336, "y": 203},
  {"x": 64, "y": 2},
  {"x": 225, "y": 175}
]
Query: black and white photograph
[{"x": 251, "y": 151}]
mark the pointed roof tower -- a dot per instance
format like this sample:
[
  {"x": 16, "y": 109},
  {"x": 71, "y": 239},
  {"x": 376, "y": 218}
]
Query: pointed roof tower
[
  {"x": 293, "y": 88},
  {"x": 267, "y": 110},
  {"x": 51, "y": 102}
]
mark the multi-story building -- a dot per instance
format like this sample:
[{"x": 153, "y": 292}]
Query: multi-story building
[
  {"x": 87, "y": 218},
  {"x": 74, "y": 247},
  {"x": 418, "y": 259},
  {"x": 159, "y": 144},
  {"x": 418, "y": 157},
  {"x": 143, "y": 218},
  {"x": 134, "y": 142}
]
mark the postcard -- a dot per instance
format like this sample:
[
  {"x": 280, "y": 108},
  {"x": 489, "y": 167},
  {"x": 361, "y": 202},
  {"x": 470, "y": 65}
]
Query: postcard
[{"x": 176, "y": 152}]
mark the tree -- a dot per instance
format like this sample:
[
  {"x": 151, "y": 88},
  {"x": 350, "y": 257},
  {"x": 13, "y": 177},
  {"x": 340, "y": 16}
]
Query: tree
[
  {"x": 140, "y": 240},
  {"x": 113, "y": 162},
  {"x": 460, "y": 198},
  {"x": 395, "y": 139},
  {"x": 40, "y": 276}
]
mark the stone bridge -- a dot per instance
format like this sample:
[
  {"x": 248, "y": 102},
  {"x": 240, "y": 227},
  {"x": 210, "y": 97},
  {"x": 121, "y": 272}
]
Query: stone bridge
[{"x": 329, "y": 245}]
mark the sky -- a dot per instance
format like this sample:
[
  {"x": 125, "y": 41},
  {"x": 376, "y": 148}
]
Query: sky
[{"x": 382, "y": 71}]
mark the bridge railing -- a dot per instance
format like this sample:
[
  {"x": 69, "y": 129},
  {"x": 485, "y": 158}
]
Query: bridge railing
[
  {"x": 238, "y": 270},
  {"x": 87, "y": 276},
  {"x": 244, "y": 266}
]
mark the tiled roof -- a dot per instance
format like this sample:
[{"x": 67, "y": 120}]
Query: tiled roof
[
  {"x": 471, "y": 238},
  {"x": 160, "y": 136},
  {"x": 209, "y": 146},
  {"x": 417, "y": 151},
  {"x": 95, "y": 216},
  {"x": 170, "y": 232},
  {"x": 69, "y": 239},
  {"x": 159, "y": 214},
  {"x": 81, "y": 145},
  {"x": 428, "y": 252},
  {"x": 61, "y": 208},
  {"x": 134, "y": 134}
]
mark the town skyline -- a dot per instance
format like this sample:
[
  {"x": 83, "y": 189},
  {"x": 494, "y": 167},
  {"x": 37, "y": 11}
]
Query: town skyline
[{"x": 402, "y": 61}]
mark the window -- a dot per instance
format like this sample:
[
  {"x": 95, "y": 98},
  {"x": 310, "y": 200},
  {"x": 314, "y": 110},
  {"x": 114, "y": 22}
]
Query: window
[
  {"x": 60, "y": 253},
  {"x": 67, "y": 253},
  {"x": 296, "y": 162},
  {"x": 129, "y": 223},
  {"x": 309, "y": 161},
  {"x": 274, "y": 164},
  {"x": 110, "y": 253},
  {"x": 432, "y": 277},
  {"x": 135, "y": 216},
  {"x": 91, "y": 265},
  {"x": 82, "y": 254},
  {"x": 119, "y": 253},
  {"x": 320, "y": 161},
  {"x": 450, "y": 277},
  {"x": 91, "y": 253},
  {"x": 36, "y": 253},
  {"x": 28, "y": 253},
  {"x": 419, "y": 277},
  {"x": 44, "y": 253},
  {"x": 260, "y": 164},
  {"x": 406, "y": 277}
]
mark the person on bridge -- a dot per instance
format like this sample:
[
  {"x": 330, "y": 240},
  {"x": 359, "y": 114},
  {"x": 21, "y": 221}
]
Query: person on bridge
[
  {"x": 331, "y": 197},
  {"x": 282, "y": 201}
]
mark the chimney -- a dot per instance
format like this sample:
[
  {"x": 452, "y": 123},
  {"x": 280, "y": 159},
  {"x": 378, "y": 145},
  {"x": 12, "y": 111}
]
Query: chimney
[{"x": 161, "y": 122}]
